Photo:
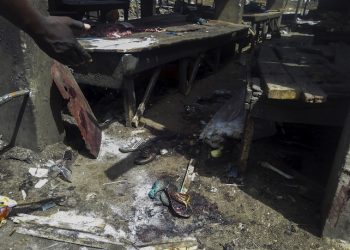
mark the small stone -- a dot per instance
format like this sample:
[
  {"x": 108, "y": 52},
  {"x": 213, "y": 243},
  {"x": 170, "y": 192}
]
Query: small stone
[
  {"x": 164, "y": 151},
  {"x": 71, "y": 202},
  {"x": 293, "y": 228}
]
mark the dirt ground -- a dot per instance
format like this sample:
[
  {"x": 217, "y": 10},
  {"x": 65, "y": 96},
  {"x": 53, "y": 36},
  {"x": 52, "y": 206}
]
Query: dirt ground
[{"x": 265, "y": 211}]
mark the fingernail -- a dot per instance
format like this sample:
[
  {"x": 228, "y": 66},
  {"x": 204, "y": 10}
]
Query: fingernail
[{"x": 87, "y": 26}]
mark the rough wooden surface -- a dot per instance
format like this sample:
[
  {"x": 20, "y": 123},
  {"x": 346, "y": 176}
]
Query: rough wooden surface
[
  {"x": 260, "y": 17},
  {"x": 185, "y": 32},
  {"x": 285, "y": 72},
  {"x": 277, "y": 82}
]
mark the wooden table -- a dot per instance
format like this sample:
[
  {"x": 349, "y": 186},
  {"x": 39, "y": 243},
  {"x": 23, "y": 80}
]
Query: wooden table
[
  {"x": 117, "y": 62},
  {"x": 262, "y": 23},
  {"x": 300, "y": 85}
]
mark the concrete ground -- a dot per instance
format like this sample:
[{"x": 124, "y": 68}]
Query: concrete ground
[{"x": 266, "y": 211}]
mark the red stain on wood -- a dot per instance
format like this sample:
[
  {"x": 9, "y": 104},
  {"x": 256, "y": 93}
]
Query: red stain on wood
[{"x": 78, "y": 107}]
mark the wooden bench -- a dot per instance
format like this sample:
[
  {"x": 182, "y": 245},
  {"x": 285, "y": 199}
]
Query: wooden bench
[
  {"x": 284, "y": 72},
  {"x": 263, "y": 23},
  {"x": 299, "y": 86}
]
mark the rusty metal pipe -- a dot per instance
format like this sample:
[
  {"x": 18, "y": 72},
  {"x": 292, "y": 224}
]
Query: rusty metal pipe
[{"x": 8, "y": 97}]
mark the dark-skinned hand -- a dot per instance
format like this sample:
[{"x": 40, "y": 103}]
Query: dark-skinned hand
[{"x": 56, "y": 38}]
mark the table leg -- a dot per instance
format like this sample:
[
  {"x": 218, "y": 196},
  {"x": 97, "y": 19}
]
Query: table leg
[
  {"x": 218, "y": 57},
  {"x": 141, "y": 109},
  {"x": 277, "y": 32},
  {"x": 258, "y": 32},
  {"x": 126, "y": 14},
  {"x": 246, "y": 144},
  {"x": 265, "y": 30},
  {"x": 185, "y": 84},
  {"x": 129, "y": 100},
  {"x": 183, "y": 76}
]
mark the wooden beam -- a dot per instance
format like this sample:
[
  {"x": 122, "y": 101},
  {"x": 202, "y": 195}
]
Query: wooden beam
[{"x": 147, "y": 8}]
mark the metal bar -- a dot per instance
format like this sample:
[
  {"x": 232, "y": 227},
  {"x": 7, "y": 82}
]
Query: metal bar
[
  {"x": 141, "y": 109},
  {"x": 6, "y": 98}
]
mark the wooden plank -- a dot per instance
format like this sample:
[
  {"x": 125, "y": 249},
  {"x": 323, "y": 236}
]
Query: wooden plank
[
  {"x": 267, "y": 54},
  {"x": 277, "y": 82},
  {"x": 280, "y": 87},
  {"x": 62, "y": 220},
  {"x": 296, "y": 63},
  {"x": 288, "y": 80},
  {"x": 271, "y": 68},
  {"x": 261, "y": 17},
  {"x": 300, "y": 56},
  {"x": 144, "y": 41},
  {"x": 311, "y": 93}
]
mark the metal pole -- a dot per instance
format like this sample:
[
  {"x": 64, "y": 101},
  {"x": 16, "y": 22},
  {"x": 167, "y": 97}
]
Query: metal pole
[{"x": 6, "y": 98}]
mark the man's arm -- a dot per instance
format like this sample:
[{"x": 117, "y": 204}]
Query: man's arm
[{"x": 54, "y": 35}]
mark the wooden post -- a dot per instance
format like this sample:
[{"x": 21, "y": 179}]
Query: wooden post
[
  {"x": 297, "y": 11},
  {"x": 229, "y": 10},
  {"x": 246, "y": 144},
  {"x": 129, "y": 100},
  {"x": 305, "y": 7},
  {"x": 336, "y": 205},
  {"x": 147, "y": 8}
]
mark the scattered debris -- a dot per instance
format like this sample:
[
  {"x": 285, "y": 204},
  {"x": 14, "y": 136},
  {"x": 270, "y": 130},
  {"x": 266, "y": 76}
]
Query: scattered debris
[
  {"x": 6, "y": 205},
  {"x": 6, "y": 98},
  {"x": 146, "y": 155},
  {"x": 269, "y": 166},
  {"x": 41, "y": 183},
  {"x": 39, "y": 172},
  {"x": 189, "y": 243},
  {"x": 188, "y": 178},
  {"x": 26, "y": 185},
  {"x": 158, "y": 186},
  {"x": 24, "y": 194},
  {"x": 114, "y": 182},
  {"x": 138, "y": 131},
  {"x": 213, "y": 190},
  {"x": 48, "y": 205},
  {"x": 20, "y": 154},
  {"x": 216, "y": 153},
  {"x": 308, "y": 22},
  {"x": 133, "y": 145},
  {"x": 61, "y": 167},
  {"x": 71, "y": 227},
  {"x": 179, "y": 203},
  {"x": 227, "y": 122},
  {"x": 3, "y": 143},
  {"x": 90, "y": 196},
  {"x": 164, "y": 151}
]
